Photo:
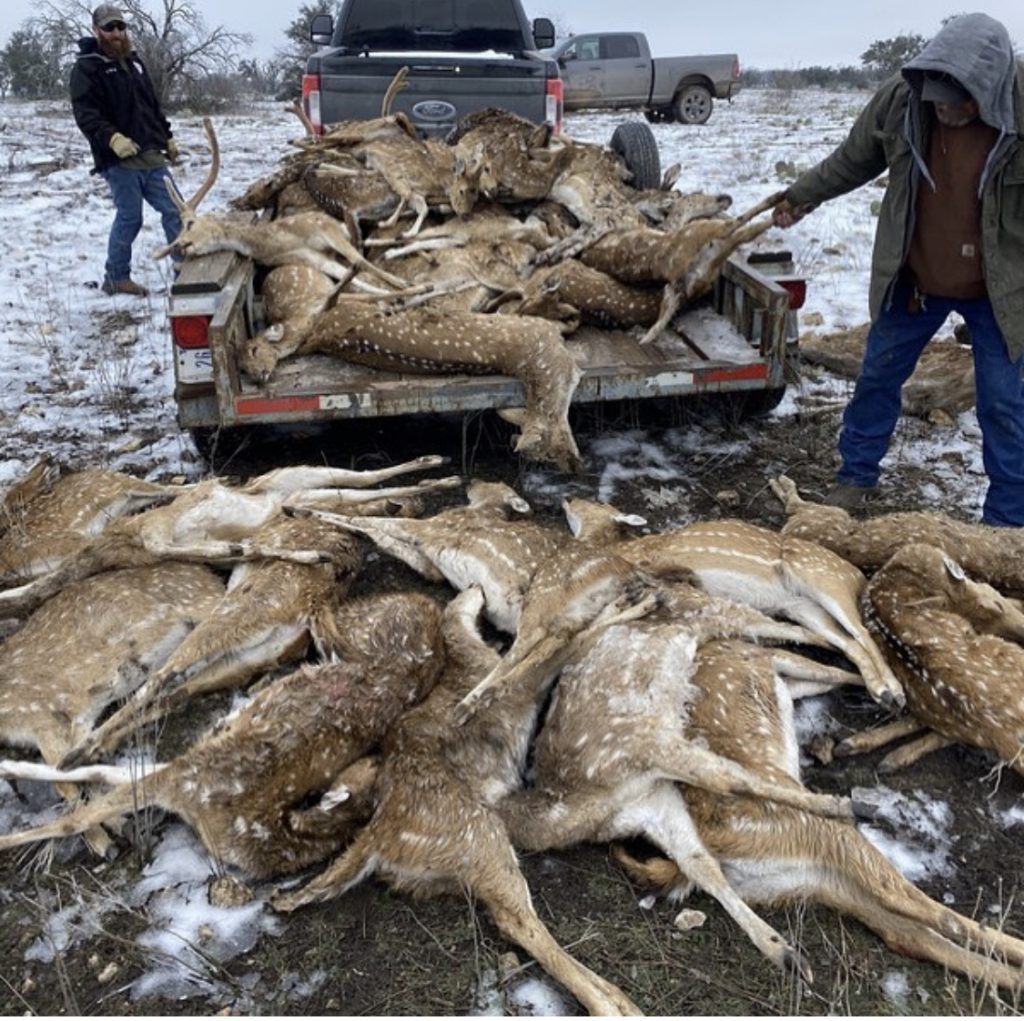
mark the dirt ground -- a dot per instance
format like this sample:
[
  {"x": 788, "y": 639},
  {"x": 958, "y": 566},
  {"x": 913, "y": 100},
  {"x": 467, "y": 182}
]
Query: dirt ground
[{"x": 379, "y": 953}]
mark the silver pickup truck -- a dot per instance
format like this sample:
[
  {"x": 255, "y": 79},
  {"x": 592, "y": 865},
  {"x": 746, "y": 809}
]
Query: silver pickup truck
[
  {"x": 462, "y": 55},
  {"x": 615, "y": 70}
]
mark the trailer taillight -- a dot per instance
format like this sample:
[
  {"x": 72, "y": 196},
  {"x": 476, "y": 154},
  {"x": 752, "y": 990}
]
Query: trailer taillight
[
  {"x": 191, "y": 331},
  {"x": 797, "y": 290},
  {"x": 736, "y": 70},
  {"x": 311, "y": 101},
  {"x": 553, "y": 99}
]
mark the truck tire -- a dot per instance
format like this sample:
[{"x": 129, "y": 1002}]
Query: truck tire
[
  {"x": 635, "y": 143},
  {"x": 692, "y": 104}
]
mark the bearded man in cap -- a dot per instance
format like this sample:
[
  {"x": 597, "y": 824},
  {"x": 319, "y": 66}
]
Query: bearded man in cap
[
  {"x": 950, "y": 238},
  {"x": 116, "y": 107}
]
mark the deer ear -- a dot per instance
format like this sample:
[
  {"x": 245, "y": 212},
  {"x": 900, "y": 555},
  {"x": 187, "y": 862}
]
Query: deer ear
[
  {"x": 516, "y": 416},
  {"x": 955, "y": 571},
  {"x": 574, "y": 520}
]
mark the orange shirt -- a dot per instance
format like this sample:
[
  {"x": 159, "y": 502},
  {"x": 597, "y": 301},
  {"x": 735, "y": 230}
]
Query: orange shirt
[{"x": 945, "y": 251}]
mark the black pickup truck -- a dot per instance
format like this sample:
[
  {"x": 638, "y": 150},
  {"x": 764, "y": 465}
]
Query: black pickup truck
[{"x": 463, "y": 55}]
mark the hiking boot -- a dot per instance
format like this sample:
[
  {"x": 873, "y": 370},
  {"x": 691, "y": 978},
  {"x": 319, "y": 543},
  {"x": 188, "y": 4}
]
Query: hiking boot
[
  {"x": 126, "y": 286},
  {"x": 849, "y": 498}
]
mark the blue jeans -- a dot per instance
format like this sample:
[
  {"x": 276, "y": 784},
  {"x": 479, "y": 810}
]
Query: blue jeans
[
  {"x": 894, "y": 345},
  {"x": 128, "y": 188}
]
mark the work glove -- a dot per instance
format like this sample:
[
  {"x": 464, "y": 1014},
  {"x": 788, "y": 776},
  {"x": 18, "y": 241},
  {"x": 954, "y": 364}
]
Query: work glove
[
  {"x": 123, "y": 146},
  {"x": 173, "y": 152}
]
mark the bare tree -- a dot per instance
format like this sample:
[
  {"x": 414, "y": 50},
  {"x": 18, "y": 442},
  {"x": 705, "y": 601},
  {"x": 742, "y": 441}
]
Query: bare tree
[{"x": 174, "y": 41}]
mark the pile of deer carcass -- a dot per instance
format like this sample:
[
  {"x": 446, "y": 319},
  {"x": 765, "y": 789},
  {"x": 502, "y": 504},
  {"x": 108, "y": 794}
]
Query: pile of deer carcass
[
  {"x": 529, "y": 234},
  {"x": 400, "y": 744}
]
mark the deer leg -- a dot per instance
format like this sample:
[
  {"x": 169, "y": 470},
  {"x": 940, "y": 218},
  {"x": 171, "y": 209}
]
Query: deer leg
[
  {"x": 877, "y": 737},
  {"x": 419, "y": 205},
  {"x": 86, "y": 819},
  {"x": 665, "y": 820},
  {"x": 805, "y": 678},
  {"x": 288, "y": 480},
  {"x": 112, "y": 776},
  {"x": 359, "y": 861},
  {"x": 504, "y": 893},
  {"x": 689, "y": 763},
  {"x": 670, "y": 300},
  {"x": 908, "y": 754}
]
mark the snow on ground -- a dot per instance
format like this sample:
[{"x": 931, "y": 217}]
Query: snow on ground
[{"x": 88, "y": 378}]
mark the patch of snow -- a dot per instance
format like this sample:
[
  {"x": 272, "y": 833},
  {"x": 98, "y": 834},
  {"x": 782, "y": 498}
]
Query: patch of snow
[{"x": 918, "y": 840}]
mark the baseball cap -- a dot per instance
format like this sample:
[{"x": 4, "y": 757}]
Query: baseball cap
[
  {"x": 943, "y": 88},
  {"x": 107, "y": 12}
]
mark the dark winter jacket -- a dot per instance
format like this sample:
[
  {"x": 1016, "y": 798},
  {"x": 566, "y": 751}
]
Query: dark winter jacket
[
  {"x": 110, "y": 96},
  {"x": 891, "y": 133}
]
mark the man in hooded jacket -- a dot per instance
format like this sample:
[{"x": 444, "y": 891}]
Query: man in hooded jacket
[
  {"x": 116, "y": 108},
  {"x": 950, "y": 238}
]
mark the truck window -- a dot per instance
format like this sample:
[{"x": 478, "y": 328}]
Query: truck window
[
  {"x": 432, "y": 25},
  {"x": 616, "y": 47},
  {"x": 585, "y": 49}
]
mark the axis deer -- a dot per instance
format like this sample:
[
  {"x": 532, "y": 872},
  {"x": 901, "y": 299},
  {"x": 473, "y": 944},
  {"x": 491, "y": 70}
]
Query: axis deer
[
  {"x": 942, "y": 382},
  {"x": 245, "y": 788},
  {"x": 54, "y": 686},
  {"x": 613, "y": 746},
  {"x": 264, "y": 620},
  {"x": 992, "y": 555},
  {"x": 481, "y": 544},
  {"x": 312, "y": 239},
  {"x": 426, "y": 340},
  {"x": 957, "y": 647},
  {"x": 217, "y": 523},
  {"x": 435, "y": 829},
  {"x": 779, "y": 854},
  {"x": 46, "y": 524},
  {"x": 782, "y": 574},
  {"x": 39, "y": 479},
  {"x": 687, "y": 260}
]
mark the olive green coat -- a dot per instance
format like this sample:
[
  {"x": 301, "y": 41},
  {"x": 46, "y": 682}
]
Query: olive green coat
[{"x": 881, "y": 139}]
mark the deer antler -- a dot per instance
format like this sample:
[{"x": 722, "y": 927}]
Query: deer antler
[
  {"x": 396, "y": 86},
  {"x": 297, "y": 109},
  {"x": 193, "y": 203}
]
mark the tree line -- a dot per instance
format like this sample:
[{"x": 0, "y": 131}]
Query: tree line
[{"x": 208, "y": 68}]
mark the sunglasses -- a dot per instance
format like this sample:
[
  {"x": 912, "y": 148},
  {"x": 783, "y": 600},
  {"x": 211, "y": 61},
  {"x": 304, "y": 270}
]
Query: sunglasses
[{"x": 114, "y": 26}]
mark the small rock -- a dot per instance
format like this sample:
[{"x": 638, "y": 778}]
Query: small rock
[
  {"x": 727, "y": 498},
  {"x": 28, "y": 986},
  {"x": 205, "y": 933},
  {"x": 812, "y": 319},
  {"x": 229, "y": 892},
  {"x": 132, "y": 444},
  {"x": 508, "y": 965},
  {"x": 108, "y": 973},
  {"x": 688, "y": 919}
]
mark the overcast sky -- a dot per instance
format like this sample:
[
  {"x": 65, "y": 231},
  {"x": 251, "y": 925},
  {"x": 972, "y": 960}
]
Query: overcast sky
[{"x": 765, "y": 33}]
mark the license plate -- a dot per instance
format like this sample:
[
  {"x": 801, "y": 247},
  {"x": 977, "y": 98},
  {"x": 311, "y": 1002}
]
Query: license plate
[{"x": 194, "y": 364}]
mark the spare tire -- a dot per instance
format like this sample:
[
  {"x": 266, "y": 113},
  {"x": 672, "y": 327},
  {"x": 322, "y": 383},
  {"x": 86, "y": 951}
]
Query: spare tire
[{"x": 634, "y": 142}]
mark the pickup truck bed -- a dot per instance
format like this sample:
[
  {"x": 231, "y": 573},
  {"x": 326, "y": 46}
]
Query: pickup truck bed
[{"x": 735, "y": 342}]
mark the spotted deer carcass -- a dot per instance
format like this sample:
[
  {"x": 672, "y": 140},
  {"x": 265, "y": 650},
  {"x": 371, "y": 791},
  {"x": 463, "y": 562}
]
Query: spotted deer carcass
[
  {"x": 986, "y": 553},
  {"x": 777, "y": 855},
  {"x": 957, "y": 645},
  {"x": 614, "y": 745},
  {"x": 425, "y": 340},
  {"x": 435, "y": 829},
  {"x": 780, "y": 574},
  {"x": 490, "y": 543},
  {"x": 282, "y": 784}
]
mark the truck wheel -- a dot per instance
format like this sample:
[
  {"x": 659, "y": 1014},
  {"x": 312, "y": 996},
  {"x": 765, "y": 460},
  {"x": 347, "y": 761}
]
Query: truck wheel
[
  {"x": 635, "y": 143},
  {"x": 692, "y": 105}
]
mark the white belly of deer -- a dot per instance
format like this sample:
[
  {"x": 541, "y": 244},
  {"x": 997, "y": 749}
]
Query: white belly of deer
[{"x": 767, "y": 879}]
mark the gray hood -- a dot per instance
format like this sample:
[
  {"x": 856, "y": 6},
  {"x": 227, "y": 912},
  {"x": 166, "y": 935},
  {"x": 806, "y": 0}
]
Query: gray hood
[{"x": 976, "y": 50}]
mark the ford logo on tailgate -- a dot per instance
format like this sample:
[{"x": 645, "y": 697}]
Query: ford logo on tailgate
[{"x": 434, "y": 110}]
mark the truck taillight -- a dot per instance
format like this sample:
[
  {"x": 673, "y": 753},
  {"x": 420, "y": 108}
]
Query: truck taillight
[
  {"x": 797, "y": 290},
  {"x": 736, "y": 70},
  {"x": 553, "y": 98},
  {"x": 191, "y": 332},
  {"x": 311, "y": 101}
]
